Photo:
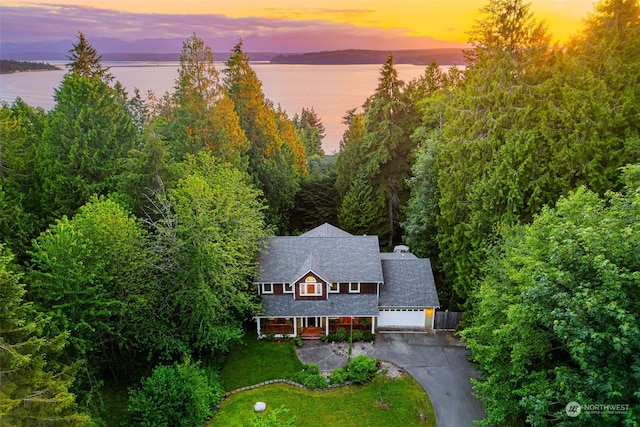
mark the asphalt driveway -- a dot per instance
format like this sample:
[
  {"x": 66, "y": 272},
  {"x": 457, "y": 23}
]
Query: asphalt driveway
[{"x": 438, "y": 361}]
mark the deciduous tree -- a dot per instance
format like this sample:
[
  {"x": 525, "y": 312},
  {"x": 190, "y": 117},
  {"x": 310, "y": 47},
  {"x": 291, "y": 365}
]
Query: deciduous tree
[
  {"x": 92, "y": 275},
  {"x": 207, "y": 236},
  {"x": 557, "y": 316}
]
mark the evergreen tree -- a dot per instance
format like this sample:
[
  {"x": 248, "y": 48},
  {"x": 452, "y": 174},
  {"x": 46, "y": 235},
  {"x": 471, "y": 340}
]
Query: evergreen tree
[
  {"x": 35, "y": 388},
  {"x": 203, "y": 116},
  {"x": 421, "y": 210},
  {"x": 88, "y": 135},
  {"x": 291, "y": 138},
  {"x": 362, "y": 209},
  {"x": 315, "y": 203},
  {"x": 84, "y": 60},
  {"x": 492, "y": 165},
  {"x": 311, "y": 131},
  {"x": 387, "y": 142},
  {"x": 20, "y": 131},
  {"x": 146, "y": 171},
  {"x": 271, "y": 160},
  {"x": 351, "y": 155}
]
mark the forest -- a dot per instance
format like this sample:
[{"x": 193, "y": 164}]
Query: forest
[
  {"x": 130, "y": 223},
  {"x": 10, "y": 66}
]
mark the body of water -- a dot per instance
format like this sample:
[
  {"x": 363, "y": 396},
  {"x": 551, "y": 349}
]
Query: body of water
[{"x": 331, "y": 90}]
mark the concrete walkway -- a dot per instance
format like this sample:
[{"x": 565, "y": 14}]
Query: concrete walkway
[
  {"x": 438, "y": 361},
  {"x": 316, "y": 352}
]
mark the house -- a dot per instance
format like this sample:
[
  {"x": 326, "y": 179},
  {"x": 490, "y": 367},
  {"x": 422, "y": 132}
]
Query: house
[{"x": 327, "y": 278}]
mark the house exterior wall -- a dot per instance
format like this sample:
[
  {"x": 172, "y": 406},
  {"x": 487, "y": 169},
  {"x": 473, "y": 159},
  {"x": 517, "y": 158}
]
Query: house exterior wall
[
  {"x": 365, "y": 288},
  {"x": 304, "y": 281}
]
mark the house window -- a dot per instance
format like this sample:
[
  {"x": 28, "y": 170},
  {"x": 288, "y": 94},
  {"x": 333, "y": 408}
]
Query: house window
[
  {"x": 310, "y": 287},
  {"x": 267, "y": 288},
  {"x": 288, "y": 288},
  {"x": 333, "y": 288},
  {"x": 354, "y": 288}
]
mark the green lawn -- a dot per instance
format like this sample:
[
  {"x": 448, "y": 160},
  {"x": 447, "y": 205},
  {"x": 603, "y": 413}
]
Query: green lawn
[
  {"x": 254, "y": 361},
  {"x": 352, "y": 405}
]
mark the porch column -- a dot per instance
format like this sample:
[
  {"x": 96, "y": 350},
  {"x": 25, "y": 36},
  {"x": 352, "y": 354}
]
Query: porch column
[
  {"x": 295, "y": 326},
  {"x": 373, "y": 324},
  {"x": 326, "y": 325},
  {"x": 258, "y": 320}
]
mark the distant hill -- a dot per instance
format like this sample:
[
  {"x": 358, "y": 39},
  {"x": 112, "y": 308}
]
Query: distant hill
[
  {"x": 11, "y": 66},
  {"x": 219, "y": 56},
  {"x": 445, "y": 56}
]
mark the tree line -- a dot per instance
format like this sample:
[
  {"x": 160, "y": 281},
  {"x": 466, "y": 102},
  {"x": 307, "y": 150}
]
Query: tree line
[
  {"x": 518, "y": 177},
  {"x": 12, "y": 66},
  {"x": 130, "y": 224}
]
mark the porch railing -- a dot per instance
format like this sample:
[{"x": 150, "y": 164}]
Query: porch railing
[{"x": 278, "y": 329}]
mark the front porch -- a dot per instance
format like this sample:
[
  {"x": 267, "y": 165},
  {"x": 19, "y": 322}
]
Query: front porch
[
  {"x": 312, "y": 327},
  {"x": 311, "y": 333}
]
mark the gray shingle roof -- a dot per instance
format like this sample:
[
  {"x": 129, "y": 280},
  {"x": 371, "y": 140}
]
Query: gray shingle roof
[
  {"x": 397, "y": 255},
  {"x": 326, "y": 230},
  {"x": 310, "y": 264},
  {"x": 342, "y": 259},
  {"x": 336, "y": 305},
  {"x": 408, "y": 283}
]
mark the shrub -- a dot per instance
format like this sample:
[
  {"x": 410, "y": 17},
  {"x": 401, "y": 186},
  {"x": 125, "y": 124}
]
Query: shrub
[
  {"x": 269, "y": 337},
  {"x": 341, "y": 334},
  {"x": 357, "y": 335},
  {"x": 311, "y": 369},
  {"x": 332, "y": 338},
  {"x": 362, "y": 369},
  {"x": 315, "y": 381},
  {"x": 310, "y": 377},
  {"x": 339, "y": 376},
  {"x": 181, "y": 395},
  {"x": 368, "y": 337},
  {"x": 298, "y": 341}
]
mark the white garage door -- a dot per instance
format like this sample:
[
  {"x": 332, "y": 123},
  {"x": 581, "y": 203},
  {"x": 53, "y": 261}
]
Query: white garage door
[{"x": 399, "y": 318}]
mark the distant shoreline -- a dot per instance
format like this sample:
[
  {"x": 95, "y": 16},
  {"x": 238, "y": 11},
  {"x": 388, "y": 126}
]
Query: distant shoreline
[
  {"x": 443, "y": 56},
  {"x": 9, "y": 66},
  {"x": 355, "y": 56}
]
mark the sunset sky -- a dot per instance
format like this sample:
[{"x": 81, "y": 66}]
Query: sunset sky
[{"x": 411, "y": 23}]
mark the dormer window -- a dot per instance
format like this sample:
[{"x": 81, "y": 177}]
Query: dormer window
[
  {"x": 267, "y": 288},
  {"x": 334, "y": 288},
  {"x": 354, "y": 288},
  {"x": 288, "y": 288},
  {"x": 310, "y": 287}
]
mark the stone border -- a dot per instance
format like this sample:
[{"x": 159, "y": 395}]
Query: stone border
[{"x": 281, "y": 381}]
